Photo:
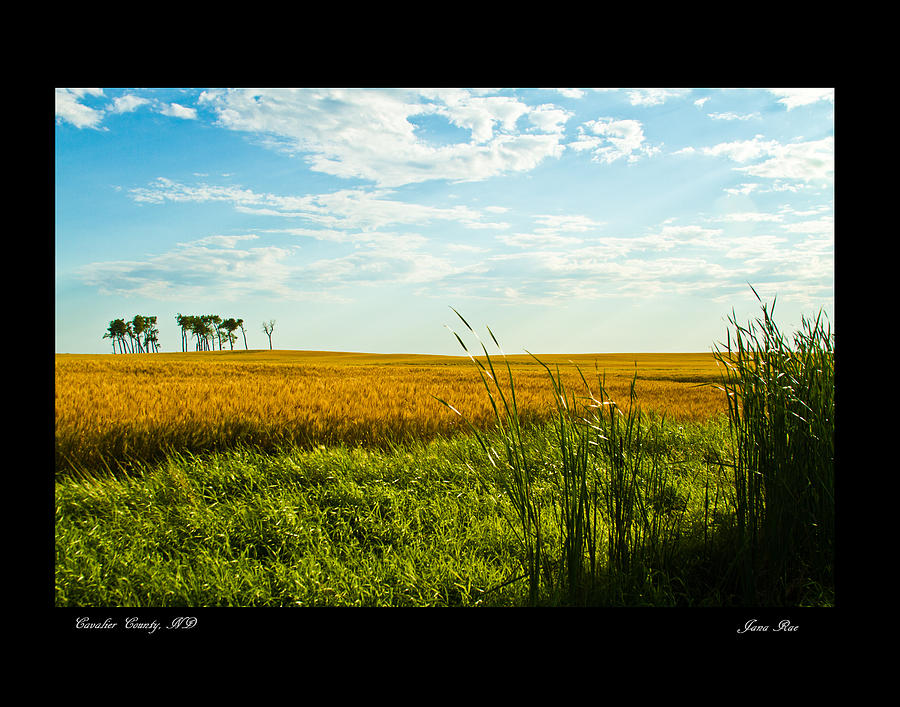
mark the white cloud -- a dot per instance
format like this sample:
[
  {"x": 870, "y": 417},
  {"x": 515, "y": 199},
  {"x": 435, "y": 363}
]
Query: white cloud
[
  {"x": 743, "y": 189},
  {"x": 187, "y": 271},
  {"x": 538, "y": 240},
  {"x": 240, "y": 270},
  {"x": 549, "y": 118},
  {"x": 654, "y": 96},
  {"x": 806, "y": 161},
  {"x": 749, "y": 216},
  {"x": 547, "y": 234},
  {"x": 718, "y": 264},
  {"x": 733, "y": 116},
  {"x": 385, "y": 258},
  {"x": 822, "y": 226},
  {"x": 70, "y": 110},
  {"x": 368, "y": 134},
  {"x": 465, "y": 248},
  {"x": 176, "y": 110},
  {"x": 479, "y": 114},
  {"x": 570, "y": 92},
  {"x": 796, "y": 161},
  {"x": 795, "y": 97},
  {"x": 616, "y": 139},
  {"x": 553, "y": 223},
  {"x": 343, "y": 209},
  {"x": 755, "y": 247},
  {"x": 584, "y": 142},
  {"x": 644, "y": 277},
  {"x": 742, "y": 150},
  {"x": 224, "y": 241},
  {"x": 127, "y": 103},
  {"x": 670, "y": 236}
]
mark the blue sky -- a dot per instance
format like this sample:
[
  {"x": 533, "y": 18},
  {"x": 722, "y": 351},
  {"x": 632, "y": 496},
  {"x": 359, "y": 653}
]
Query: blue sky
[{"x": 567, "y": 220}]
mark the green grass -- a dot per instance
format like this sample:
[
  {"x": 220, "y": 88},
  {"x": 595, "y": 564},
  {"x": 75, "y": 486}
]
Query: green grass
[
  {"x": 329, "y": 527},
  {"x": 418, "y": 525}
]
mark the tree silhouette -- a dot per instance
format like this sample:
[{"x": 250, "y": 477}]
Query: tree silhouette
[
  {"x": 240, "y": 323},
  {"x": 229, "y": 326},
  {"x": 216, "y": 326},
  {"x": 139, "y": 335},
  {"x": 268, "y": 328},
  {"x": 137, "y": 326},
  {"x": 151, "y": 334},
  {"x": 185, "y": 321},
  {"x": 116, "y": 332},
  {"x": 200, "y": 329},
  {"x": 129, "y": 332},
  {"x": 207, "y": 329}
]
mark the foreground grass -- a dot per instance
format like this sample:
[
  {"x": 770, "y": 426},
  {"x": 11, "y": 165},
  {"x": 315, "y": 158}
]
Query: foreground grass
[
  {"x": 328, "y": 527},
  {"x": 410, "y": 526}
]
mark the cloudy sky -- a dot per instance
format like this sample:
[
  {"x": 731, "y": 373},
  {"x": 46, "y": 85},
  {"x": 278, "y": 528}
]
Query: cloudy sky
[{"x": 568, "y": 220}]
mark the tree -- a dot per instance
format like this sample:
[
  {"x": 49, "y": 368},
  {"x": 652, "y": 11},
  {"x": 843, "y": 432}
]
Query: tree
[
  {"x": 216, "y": 321},
  {"x": 240, "y": 323},
  {"x": 229, "y": 326},
  {"x": 139, "y": 335},
  {"x": 185, "y": 321},
  {"x": 208, "y": 329},
  {"x": 268, "y": 328},
  {"x": 151, "y": 334},
  {"x": 208, "y": 322},
  {"x": 200, "y": 329},
  {"x": 137, "y": 326},
  {"x": 116, "y": 332},
  {"x": 129, "y": 332}
]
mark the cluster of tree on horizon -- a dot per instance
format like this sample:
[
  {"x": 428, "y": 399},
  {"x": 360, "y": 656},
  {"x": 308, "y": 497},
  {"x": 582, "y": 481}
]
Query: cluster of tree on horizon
[
  {"x": 140, "y": 335},
  {"x": 208, "y": 329}
]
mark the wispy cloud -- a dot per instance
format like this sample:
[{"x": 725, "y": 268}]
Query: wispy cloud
[
  {"x": 210, "y": 267},
  {"x": 734, "y": 116},
  {"x": 568, "y": 223},
  {"x": 537, "y": 240},
  {"x": 742, "y": 150},
  {"x": 795, "y": 97},
  {"x": 805, "y": 161},
  {"x": 654, "y": 96},
  {"x": 343, "y": 209}
]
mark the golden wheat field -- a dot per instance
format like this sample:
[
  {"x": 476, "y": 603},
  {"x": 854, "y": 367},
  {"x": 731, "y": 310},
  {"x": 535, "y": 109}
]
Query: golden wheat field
[{"x": 114, "y": 408}]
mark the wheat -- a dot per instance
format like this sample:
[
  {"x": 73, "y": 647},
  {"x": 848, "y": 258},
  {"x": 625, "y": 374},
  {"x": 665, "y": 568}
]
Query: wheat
[{"x": 111, "y": 409}]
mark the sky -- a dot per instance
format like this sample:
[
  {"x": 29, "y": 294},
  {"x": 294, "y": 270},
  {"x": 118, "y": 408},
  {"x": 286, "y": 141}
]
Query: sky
[{"x": 568, "y": 220}]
